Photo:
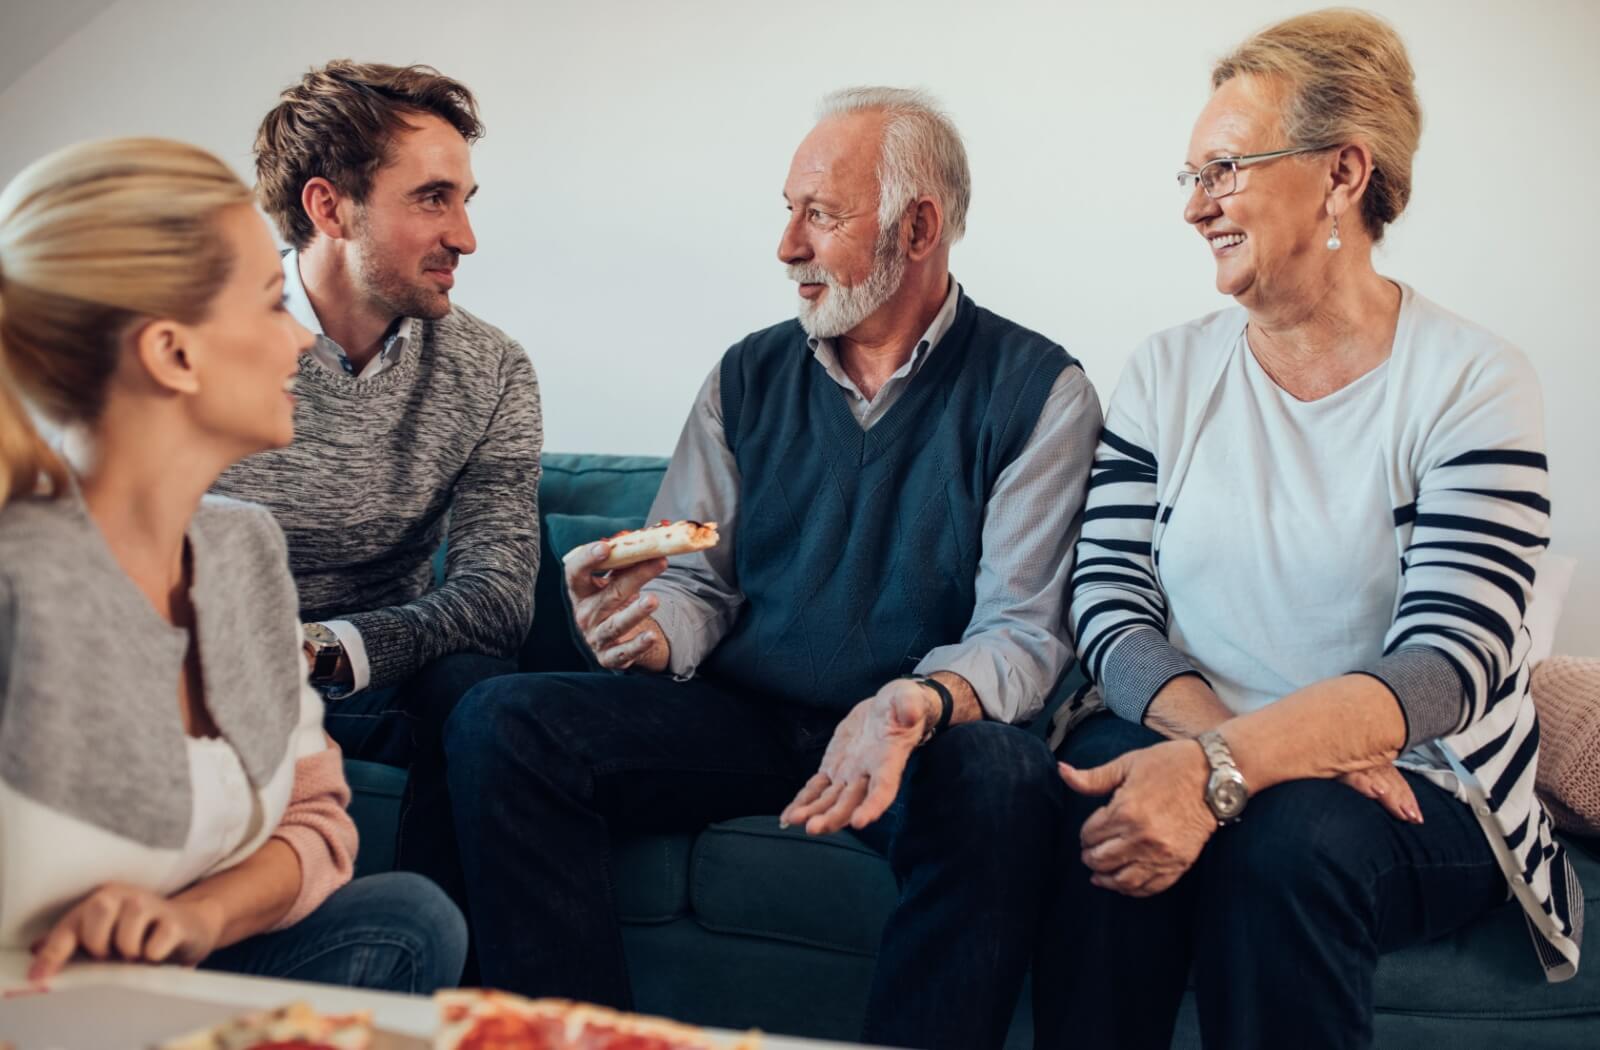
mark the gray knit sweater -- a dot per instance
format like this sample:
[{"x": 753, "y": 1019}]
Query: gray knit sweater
[{"x": 450, "y": 433}]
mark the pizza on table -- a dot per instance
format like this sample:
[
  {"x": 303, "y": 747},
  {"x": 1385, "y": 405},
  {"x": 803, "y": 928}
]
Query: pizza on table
[{"x": 469, "y": 1019}]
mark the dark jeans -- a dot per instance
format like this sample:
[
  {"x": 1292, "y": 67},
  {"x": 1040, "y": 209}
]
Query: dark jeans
[
  {"x": 402, "y": 726},
  {"x": 544, "y": 768},
  {"x": 391, "y": 932},
  {"x": 1282, "y": 919}
]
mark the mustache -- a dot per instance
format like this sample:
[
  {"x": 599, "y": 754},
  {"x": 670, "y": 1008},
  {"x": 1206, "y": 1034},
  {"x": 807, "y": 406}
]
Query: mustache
[
  {"x": 442, "y": 261},
  {"x": 810, "y": 273}
]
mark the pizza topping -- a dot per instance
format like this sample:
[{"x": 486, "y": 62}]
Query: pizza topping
[{"x": 489, "y": 1020}]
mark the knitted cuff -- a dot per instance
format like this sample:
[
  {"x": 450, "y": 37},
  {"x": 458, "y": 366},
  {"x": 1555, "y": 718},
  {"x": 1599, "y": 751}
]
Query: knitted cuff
[
  {"x": 1424, "y": 682},
  {"x": 391, "y": 646},
  {"x": 1136, "y": 668}
]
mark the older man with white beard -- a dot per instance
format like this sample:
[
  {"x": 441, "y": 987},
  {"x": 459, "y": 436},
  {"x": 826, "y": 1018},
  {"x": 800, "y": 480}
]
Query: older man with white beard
[{"x": 898, "y": 477}]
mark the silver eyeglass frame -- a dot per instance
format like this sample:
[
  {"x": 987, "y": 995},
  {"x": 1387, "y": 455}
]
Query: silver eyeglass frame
[{"x": 1187, "y": 179}]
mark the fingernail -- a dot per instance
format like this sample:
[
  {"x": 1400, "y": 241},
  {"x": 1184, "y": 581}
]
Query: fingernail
[
  {"x": 598, "y": 549},
  {"x": 1379, "y": 789},
  {"x": 782, "y": 823}
]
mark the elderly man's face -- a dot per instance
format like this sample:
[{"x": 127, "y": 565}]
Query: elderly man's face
[
  {"x": 846, "y": 268},
  {"x": 1269, "y": 237}
]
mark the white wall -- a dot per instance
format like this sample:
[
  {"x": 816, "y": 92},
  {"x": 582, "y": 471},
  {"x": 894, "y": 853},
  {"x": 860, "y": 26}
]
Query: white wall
[{"x": 631, "y": 175}]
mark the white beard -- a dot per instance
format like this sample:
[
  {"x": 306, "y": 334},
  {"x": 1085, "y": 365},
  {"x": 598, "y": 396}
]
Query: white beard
[{"x": 845, "y": 306}]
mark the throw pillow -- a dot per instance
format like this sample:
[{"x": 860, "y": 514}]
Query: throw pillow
[{"x": 1566, "y": 692}]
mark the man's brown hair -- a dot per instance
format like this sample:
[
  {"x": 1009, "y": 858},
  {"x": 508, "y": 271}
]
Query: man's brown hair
[{"x": 337, "y": 123}]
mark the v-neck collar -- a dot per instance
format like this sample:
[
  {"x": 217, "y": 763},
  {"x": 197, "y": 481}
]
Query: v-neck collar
[{"x": 865, "y": 445}]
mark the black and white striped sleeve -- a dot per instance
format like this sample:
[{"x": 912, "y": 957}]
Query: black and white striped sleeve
[
  {"x": 1118, "y": 612},
  {"x": 1479, "y": 524}
]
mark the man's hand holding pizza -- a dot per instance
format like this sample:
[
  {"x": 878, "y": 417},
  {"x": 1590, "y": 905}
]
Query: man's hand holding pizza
[
  {"x": 603, "y": 581},
  {"x": 613, "y": 617},
  {"x": 862, "y": 768}
]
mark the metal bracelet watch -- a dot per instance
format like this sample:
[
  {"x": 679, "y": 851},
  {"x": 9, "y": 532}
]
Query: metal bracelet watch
[
  {"x": 947, "y": 704},
  {"x": 1226, "y": 791},
  {"x": 325, "y": 649}
]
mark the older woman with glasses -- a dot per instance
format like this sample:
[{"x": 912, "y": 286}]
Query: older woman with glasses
[{"x": 1312, "y": 532}]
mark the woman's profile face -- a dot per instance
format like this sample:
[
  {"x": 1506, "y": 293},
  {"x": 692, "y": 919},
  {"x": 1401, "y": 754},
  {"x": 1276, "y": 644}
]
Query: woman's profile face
[
  {"x": 1269, "y": 237},
  {"x": 248, "y": 347}
]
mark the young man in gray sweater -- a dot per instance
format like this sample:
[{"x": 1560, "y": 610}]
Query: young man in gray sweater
[{"x": 415, "y": 420}]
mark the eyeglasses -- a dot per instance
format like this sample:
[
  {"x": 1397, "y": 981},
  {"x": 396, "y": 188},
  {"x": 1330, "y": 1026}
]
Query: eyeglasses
[{"x": 1220, "y": 177}]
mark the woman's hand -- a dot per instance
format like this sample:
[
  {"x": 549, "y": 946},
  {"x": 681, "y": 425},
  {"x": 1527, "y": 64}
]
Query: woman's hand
[
  {"x": 118, "y": 921},
  {"x": 1385, "y": 786},
  {"x": 1157, "y": 822}
]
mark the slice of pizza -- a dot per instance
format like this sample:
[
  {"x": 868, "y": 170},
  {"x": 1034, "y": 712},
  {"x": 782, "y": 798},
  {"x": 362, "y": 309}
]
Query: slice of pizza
[
  {"x": 474, "y": 1019},
  {"x": 293, "y": 1027},
  {"x": 662, "y": 540}
]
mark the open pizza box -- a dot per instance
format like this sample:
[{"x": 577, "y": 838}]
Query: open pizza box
[{"x": 117, "y": 1018}]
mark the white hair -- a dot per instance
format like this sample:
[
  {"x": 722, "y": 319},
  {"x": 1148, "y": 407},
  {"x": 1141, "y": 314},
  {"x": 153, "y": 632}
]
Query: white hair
[{"x": 922, "y": 154}]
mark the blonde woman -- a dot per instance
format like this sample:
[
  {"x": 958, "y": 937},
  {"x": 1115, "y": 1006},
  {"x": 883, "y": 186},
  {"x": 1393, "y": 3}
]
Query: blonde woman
[
  {"x": 167, "y": 793},
  {"x": 1312, "y": 531}
]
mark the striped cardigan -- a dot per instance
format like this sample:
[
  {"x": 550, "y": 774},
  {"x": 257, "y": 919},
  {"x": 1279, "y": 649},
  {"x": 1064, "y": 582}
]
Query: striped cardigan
[{"x": 1463, "y": 449}]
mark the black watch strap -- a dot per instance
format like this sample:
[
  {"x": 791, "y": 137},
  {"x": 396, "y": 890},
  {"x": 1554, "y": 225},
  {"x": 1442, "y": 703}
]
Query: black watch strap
[{"x": 947, "y": 702}]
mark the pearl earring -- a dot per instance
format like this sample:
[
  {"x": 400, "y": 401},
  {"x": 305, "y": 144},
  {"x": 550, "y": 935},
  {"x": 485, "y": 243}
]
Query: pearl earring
[{"x": 1333, "y": 238}]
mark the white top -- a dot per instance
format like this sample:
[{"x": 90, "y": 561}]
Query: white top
[
  {"x": 1313, "y": 466},
  {"x": 225, "y": 812},
  {"x": 1459, "y": 438}
]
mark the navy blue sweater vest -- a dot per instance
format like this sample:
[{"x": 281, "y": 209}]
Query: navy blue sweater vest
[{"x": 857, "y": 550}]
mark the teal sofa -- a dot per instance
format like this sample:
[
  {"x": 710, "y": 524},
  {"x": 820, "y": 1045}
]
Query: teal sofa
[{"x": 747, "y": 925}]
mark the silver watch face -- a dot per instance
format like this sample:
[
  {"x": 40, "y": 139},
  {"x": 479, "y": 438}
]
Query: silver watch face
[{"x": 1226, "y": 795}]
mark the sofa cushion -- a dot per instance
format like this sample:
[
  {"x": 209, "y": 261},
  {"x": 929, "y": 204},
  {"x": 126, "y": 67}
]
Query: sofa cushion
[
  {"x": 748, "y": 876},
  {"x": 651, "y": 875},
  {"x": 375, "y": 794},
  {"x": 1488, "y": 968},
  {"x": 583, "y": 483},
  {"x": 567, "y": 531}
]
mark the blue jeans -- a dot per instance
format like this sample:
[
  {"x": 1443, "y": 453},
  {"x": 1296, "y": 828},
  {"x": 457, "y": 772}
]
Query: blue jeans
[
  {"x": 393, "y": 932},
  {"x": 1281, "y": 921},
  {"x": 398, "y": 724},
  {"x": 544, "y": 767}
]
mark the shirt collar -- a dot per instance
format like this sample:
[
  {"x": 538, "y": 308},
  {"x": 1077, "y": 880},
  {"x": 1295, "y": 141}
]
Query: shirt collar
[
  {"x": 331, "y": 353},
  {"x": 828, "y": 355}
]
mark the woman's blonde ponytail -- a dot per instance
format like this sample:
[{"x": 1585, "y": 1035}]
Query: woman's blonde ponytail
[{"x": 94, "y": 238}]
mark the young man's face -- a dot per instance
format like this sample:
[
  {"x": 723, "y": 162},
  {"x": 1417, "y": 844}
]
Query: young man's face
[{"x": 413, "y": 226}]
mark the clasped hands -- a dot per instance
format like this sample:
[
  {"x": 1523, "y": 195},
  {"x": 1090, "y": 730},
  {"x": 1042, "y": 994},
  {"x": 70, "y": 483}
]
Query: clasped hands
[{"x": 1156, "y": 822}]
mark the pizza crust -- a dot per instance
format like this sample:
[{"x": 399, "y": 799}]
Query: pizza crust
[
  {"x": 663, "y": 540},
  {"x": 295, "y": 1026}
]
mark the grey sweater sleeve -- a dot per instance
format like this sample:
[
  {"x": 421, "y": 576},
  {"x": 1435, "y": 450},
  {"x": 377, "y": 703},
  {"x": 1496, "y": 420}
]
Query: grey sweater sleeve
[{"x": 486, "y": 601}]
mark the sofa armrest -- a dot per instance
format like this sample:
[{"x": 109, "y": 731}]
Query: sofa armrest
[{"x": 375, "y": 793}]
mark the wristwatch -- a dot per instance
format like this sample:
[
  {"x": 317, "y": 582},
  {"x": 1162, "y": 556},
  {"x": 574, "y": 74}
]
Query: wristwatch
[
  {"x": 947, "y": 704},
  {"x": 1226, "y": 791},
  {"x": 325, "y": 649}
]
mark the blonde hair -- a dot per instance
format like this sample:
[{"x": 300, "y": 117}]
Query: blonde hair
[
  {"x": 1347, "y": 76},
  {"x": 94, "y": 238}
]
